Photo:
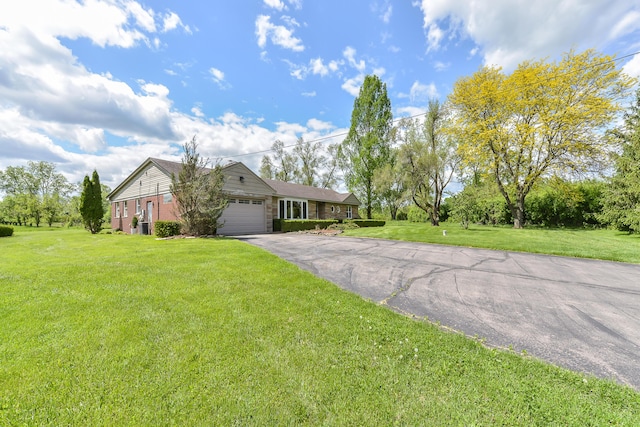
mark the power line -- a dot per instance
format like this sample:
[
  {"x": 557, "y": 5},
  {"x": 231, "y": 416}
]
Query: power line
[{"x": 328, "y": 137}]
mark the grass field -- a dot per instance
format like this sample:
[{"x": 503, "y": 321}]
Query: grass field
[
  {"x": 128, "y": 330},
  {"x": 600, "y": 244}
]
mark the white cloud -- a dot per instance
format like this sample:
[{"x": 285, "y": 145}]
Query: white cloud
[
  {"x": 278, "y": 35},
  {"x": 434, "y": 37},
  {"x": 441, "y": 66},
  {"x": 379, "y": 71},
  {"x": 350, "y": 55},
  {"x": 508, "y": 34},
  {"x": 421, "y": 92},
  {"x": 276, "y": 4},
  {"x": 173, "y": 21},
  {"x": 632, "y": 67},
  {"x": 105, "y": 23},
  {"x": 197, "y": 111},
  {"x": 352, "y": 85},
  {"x": 409, "y": 111},
  {"x": 217, "y": 74},
  {"x": 144, "y": 17},
  {"x": 386, "y": 16},
  {"x": 384, "y": 10},
  {"x": 309, "y": 94},
  {"x": 291, "y": 22},
  {"x": 319, "y": 125},
  {"x": 316, "y": 67},
  {"x": 218, "y": 77}
]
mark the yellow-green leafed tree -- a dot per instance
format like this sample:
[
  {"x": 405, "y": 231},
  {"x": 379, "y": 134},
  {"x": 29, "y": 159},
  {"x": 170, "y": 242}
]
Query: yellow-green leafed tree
[{"x": 543, "y": 119}]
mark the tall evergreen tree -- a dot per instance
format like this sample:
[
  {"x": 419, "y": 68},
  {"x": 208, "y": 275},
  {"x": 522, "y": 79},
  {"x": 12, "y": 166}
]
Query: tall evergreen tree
[
  {"x": 621, "y": 204},
  {"x": 91, "y": 207},
  {"x": 368, "y": 143}
]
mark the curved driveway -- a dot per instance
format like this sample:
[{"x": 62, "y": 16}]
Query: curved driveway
[{"x": 577, "y": 313}]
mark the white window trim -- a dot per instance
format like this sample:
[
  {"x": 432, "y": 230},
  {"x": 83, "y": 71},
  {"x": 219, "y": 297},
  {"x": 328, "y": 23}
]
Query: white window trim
[
  {"x": 117, "y": 209},
  {"x": 125, "y": 210},
  {"x": 288, "y": 199},
  {"x": 349, "y": 212}
]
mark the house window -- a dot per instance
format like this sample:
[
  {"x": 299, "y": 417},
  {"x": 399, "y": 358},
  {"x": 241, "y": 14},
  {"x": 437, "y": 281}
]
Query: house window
[
  {"x": 137, "y": 206},
  {"x": 124, "y": 209},
  {"x": 333, "y": 209},
  {"x": 232, "y": 200},
  {"x": 244, "y": 201},
  {"x": 349, "y": 212},
  {"x": 167, "y": 198},
  {"x": 256, "y": 202},
  {"x": 117, "y": 209},
  {"x": 293, "y": 209}
]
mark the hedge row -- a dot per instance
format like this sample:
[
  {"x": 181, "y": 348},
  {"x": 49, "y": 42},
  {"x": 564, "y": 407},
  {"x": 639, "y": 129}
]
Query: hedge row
[
  {"x": 167, "y": 228},
  {"x": 288, "y": 225},
  {"x": 6, "y": 231},
  {"x": 366, "y": 222}
]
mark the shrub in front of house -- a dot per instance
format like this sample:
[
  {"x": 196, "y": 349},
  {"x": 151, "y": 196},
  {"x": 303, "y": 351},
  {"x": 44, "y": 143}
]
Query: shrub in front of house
[
  {"x": 167, "y": 228},
  {"x": 6, "y": 231},
  {"x": 366, "y": 222},
  {"x": 287, "y": 225}
]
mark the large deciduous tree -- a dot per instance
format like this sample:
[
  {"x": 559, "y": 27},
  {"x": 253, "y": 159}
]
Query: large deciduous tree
[
  {"x": 306, "y": 164},
  {"x": 543, "y": 119},
  {"x": 282, "y": 165},
  {"x": 197, "y": 190},
  {"x": 390, "y": 184},
  {"x": 429, "y": 159},
  {"x": 91, "y": 207},
  {"x": 621, "y": 204},
  {"x": 367, "y": 145}
]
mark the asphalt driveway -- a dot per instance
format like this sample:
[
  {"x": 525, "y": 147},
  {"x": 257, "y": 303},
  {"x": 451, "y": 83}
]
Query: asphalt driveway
[{"x": 580, "y": 314}]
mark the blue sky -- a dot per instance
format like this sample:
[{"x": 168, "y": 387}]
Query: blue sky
[{"x": 105, "y": 84}]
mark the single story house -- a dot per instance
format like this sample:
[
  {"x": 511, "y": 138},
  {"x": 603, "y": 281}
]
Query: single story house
[{"x": 253, "y": 202}]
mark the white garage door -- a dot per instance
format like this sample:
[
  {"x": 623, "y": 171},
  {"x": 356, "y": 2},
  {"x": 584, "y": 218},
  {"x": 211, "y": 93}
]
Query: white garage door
[{"x": 244, "y": 216}]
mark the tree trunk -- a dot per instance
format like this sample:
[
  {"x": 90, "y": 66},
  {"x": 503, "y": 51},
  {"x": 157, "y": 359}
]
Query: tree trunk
[
  {"x": 435, "y": 210},
  {"x": 394, "y": 212},
  {"x": 518, "y": 212}
]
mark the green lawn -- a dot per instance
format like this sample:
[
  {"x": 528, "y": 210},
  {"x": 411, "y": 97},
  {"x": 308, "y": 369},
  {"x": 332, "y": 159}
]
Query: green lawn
[
  {"x": 601, "y": 244},
  {"x": 129, "y": 330}
]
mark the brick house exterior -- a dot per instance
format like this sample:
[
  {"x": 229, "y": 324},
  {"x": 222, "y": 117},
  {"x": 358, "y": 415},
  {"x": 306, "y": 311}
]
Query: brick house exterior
[{"x": 253, "y": 202}]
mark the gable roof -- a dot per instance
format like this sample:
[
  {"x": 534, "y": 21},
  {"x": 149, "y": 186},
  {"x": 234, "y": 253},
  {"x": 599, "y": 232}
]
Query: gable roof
[
  {"x": 283, "y": 189},
  {"x": 299, "y": 191}
]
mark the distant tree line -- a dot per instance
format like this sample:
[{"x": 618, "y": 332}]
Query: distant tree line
[{"x": 36, "y": 194}]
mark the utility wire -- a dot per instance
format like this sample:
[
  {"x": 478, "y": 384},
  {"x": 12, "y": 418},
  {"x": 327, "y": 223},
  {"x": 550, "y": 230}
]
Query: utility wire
[{"x": 332, "y": 136}]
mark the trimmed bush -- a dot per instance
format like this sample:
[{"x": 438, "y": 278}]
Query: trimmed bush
[
  {"x": 366, "y": 222},
  {"x": 167, "y": 228},
  {"x": 288, "y": 225},
  {"x": 6, "y": 231}
]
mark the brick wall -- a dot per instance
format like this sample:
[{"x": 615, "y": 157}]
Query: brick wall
[{"x": 160, "y": 211}]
